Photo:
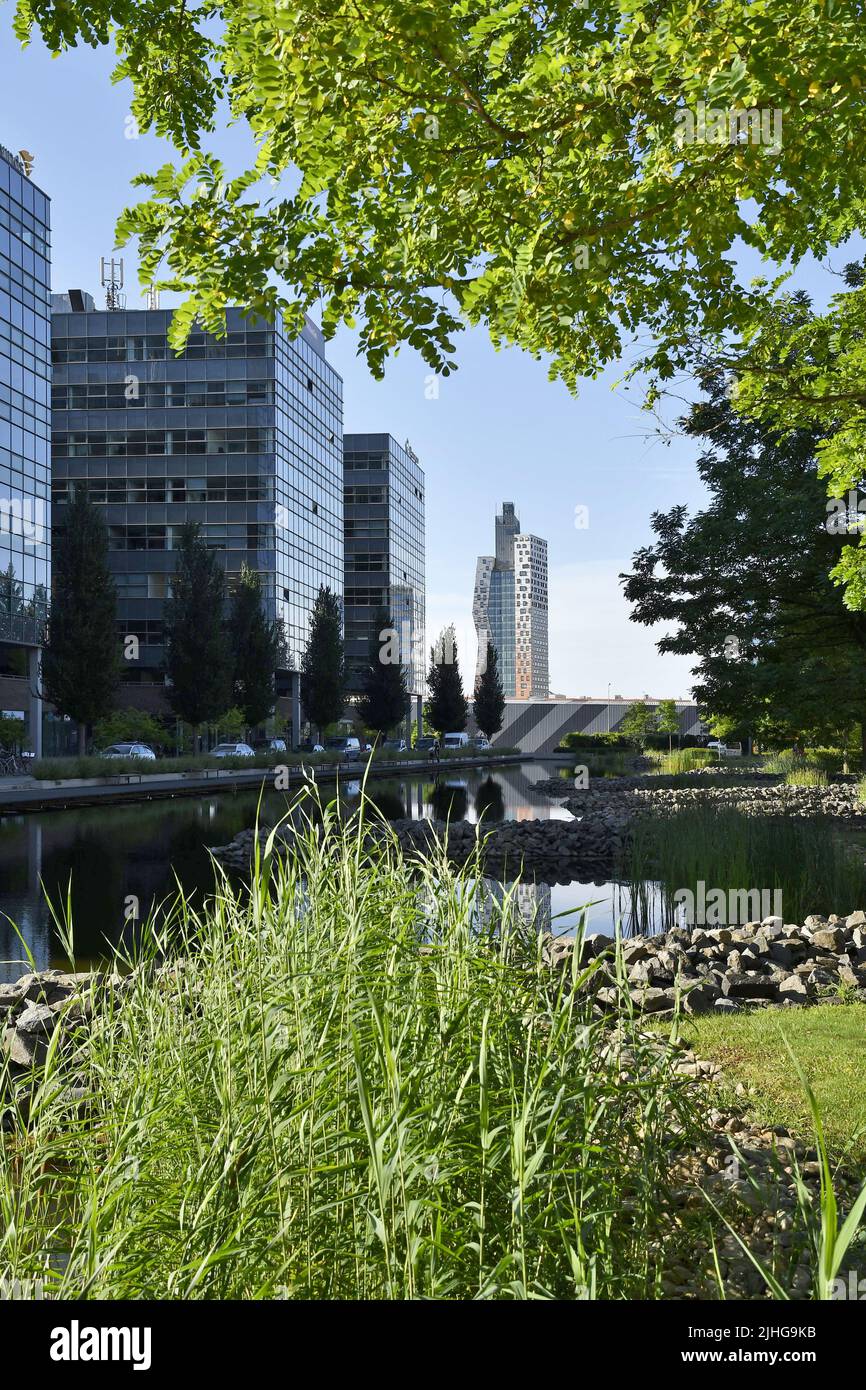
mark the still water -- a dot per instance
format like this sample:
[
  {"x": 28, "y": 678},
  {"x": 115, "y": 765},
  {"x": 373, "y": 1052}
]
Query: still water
[{"x": 114, "y": 856}]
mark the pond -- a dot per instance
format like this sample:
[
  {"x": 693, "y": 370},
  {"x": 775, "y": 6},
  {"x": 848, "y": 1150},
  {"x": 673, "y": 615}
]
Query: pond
[{"x": 118, "y": 863}]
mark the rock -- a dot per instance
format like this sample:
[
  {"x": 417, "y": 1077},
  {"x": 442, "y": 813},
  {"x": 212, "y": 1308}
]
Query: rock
[
  {"x": 596, "y": 945},
  {"x": 793, "y": 987},
  {"x": 829, "y": 938},
  {"x": 652, "y": 1001},
  {"x": 736, "y": 985},
  {"x": 26, "y": 1041},
  {"x": 856, "y": 919},
  {"x": 700, "y": 998},
  {"x": 634, "y": 951},
  {"x": 787, "y": 953},
  {"x": 822, "y": 979}
]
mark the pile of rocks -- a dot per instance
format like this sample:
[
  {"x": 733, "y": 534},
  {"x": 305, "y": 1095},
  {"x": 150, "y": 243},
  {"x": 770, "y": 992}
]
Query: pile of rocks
[
  {"x": 620, "y": 800},
  {"x": 727, "y": 968},
  {"x": 552, "y": 850}
]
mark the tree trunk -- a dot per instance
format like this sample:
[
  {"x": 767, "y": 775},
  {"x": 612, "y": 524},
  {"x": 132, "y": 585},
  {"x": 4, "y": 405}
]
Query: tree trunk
[
  {"x": 82, "y": 740},
  {"x": 863, "y": 745}
]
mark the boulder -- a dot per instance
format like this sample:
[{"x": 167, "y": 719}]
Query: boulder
[
  {"x": 652, "y": 1001},
  {"x": 793, "y": 987},
  {"x": 635, "y": 950},
  {"x": 26, "y": 1041},
  {"x": 738, "y": 985},
  {"x": 829, "y": 939}
]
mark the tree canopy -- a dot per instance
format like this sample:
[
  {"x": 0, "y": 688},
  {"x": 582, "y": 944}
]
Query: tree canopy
[
  {"x": 746, "y": 582},
  {"x": 549, "y": 172}
]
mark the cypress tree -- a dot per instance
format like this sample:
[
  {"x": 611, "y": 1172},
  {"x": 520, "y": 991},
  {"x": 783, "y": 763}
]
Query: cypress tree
[
  {"x": 322, "y": 662},
  {"x": 254, "y": 643},
  {"x": 197, "y": 657},
  {"x": 81, "y": 660},
  {"x": 489, "y": 702},
  {"x": 385, "y": 696},
  {"x": 447, "y": 708}
]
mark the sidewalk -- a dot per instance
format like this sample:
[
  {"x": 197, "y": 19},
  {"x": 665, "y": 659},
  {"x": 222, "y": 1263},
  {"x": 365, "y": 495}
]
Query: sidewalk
[{"x": 22, "y": 793}]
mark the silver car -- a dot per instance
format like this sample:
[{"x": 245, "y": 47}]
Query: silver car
[
  {"x": 232, "y": 750},
  {"x": 129, "y": 750}
]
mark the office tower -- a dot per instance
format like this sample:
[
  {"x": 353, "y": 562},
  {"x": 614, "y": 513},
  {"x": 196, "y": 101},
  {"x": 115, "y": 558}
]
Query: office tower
[
  {"x": 242, "y": 434},
  {"x": 384, "y": 553},
  {"x": 531, "y": 678},
  {"x": 25, "y": 371},
  {"x": 509, "y": 608}
]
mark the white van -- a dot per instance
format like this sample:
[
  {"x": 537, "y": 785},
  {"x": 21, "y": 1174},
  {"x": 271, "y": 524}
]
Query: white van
[{"x": 455, "y": 741}]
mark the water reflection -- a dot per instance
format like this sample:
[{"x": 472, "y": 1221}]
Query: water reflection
[{"x": 123, "y": 861}]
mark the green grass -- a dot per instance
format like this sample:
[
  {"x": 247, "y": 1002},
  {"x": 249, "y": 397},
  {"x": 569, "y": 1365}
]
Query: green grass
[
  {"x": 685, "y": 760},
  {"x": 350, "y": 1086},
  {"x": 830, "y": 1043},
  {"x": 816, "y": 870},
  {"x": 807, "y": 777}
]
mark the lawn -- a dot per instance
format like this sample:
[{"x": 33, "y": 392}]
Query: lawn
[{"x": 830, "y": 1043}]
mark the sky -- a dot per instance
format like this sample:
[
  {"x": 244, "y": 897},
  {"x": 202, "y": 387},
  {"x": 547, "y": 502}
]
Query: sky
[{"x": 498, "y": 431}]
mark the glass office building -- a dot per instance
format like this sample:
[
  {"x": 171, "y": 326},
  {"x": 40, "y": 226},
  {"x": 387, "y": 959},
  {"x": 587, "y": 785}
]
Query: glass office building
[
  {"x": 509, "y": 608},
  {"x": 25, "y": 370},
  {"x": 384, "y": 553},
  {"x": 242, "y": 434}
]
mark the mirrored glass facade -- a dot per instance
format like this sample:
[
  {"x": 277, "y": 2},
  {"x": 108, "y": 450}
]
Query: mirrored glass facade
[
  {"x": 25, "y": 369},
  {"x": 242, "y": 434},
  {"x": 384, "y": 548}
]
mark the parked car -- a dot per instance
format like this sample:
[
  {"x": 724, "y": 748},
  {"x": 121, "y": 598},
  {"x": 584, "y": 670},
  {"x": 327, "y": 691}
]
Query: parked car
[
  {"x": 348, "y": 748},
  {"x": 271, "y": 745},
  {"x": 129, "y": 750},
  {"x": 455, "y": 741},
  {"x": 716, "y": 747},
  {"x": 424, "y": 744},
  {"x": 395, "y": 745},
  {"x": 310, "y": 747},
  {"x": 232, "y": 750},
  {"x": 481, "y": 741}
]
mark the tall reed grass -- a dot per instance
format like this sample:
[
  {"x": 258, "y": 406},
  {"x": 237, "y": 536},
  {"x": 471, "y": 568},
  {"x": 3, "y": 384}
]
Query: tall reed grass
[
  {"x": 807, "y": 777},
  {"x": 344, "y": 1083},
  {"x": 685, "y": 760},
  {"x": 728, "y": 849}
]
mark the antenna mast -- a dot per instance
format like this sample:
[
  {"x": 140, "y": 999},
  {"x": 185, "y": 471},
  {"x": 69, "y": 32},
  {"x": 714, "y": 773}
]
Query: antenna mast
[{"x": 111, "y": 276}]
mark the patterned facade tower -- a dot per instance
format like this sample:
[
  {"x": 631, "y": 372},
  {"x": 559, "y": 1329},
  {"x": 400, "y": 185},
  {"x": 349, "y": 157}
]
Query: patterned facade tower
[{"x": 509, "y": 608}]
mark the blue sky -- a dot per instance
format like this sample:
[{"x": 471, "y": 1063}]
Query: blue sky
[{"x": 498, "y": 430}]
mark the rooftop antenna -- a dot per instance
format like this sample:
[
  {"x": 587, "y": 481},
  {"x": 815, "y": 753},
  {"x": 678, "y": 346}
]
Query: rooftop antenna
[
  {"x": 111, "y": 276},
  {"x": 151, "y": 298}
]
